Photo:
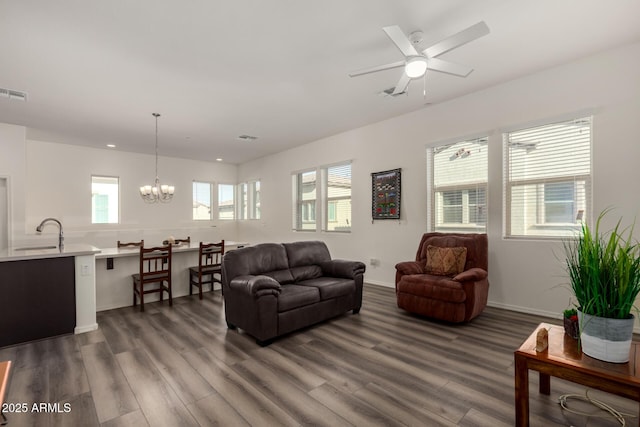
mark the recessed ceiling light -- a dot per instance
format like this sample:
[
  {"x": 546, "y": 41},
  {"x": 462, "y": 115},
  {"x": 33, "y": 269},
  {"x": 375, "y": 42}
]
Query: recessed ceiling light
[
  {"x": 111, "y": 145},
  {"x": 218, "y": 159}
]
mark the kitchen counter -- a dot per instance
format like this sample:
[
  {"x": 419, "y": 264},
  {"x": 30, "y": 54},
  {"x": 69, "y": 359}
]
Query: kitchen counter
[
  {"x": 39, "y": 252},
  {"x": 49, "y": 292},
  {"x": 194, "y": 246}
]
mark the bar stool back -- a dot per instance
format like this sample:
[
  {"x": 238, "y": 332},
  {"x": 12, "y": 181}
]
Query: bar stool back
[
  {"x": 154, "y": 275},
  {"x": 209, "y": 265}
]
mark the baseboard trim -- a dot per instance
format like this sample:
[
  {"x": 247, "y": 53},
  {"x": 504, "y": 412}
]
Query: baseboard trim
[{"x": 86, "y": 328}]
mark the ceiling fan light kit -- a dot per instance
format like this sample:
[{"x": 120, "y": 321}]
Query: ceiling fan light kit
[
  {"x": 417, "y": 63},
  {"x": 416, "y": 67}
]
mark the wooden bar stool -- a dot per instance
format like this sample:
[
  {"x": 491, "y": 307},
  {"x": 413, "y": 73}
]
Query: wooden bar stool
[
  {"x": 209, "y": 264},
  {"x": 155, "y": 271},
  {"x": 130, "y": 244}
]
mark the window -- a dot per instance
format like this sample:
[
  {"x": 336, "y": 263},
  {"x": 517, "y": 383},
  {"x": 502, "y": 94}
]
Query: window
[
  {"x": 202, "y": 200},
  {"x": 243, "y": 201},
  {"x": 547, "y": 179},
  {"x": 249, "y": 200},
  {"x": 338, "y": 200},
  {"x": 305, "y": 201},
  {"x": 255, "y": 207},
  {"x": 324, "y": 202},
  {"x": 457, "y": 186},
  {"x": 226, "y": 201},
  {"x": 104, "y": 200}
]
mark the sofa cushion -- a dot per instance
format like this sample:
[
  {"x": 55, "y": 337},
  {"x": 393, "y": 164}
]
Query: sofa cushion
[
  {"x": 255, "y": 260},
  {"x": 294, "y": 296},
  {"x": 281, "y": 276},
  {"x": 306, "y": 253},
  {"x": 430, "y": 286},
  {"x": 331, "y": 287},
  {"x": 445, "y": 261},
  {"x": 306, "y": 272}
]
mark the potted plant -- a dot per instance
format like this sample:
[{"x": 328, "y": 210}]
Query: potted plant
[
  {"x": 570, "y": 319},
  {"x": 604, "y": 272}
]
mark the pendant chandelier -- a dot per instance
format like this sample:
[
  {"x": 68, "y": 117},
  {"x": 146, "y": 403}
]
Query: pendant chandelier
[{"x": 157, "y": 193}]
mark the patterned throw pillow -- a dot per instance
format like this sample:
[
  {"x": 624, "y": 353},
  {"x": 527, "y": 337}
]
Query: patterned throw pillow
[{"x": 445, "y": 261}]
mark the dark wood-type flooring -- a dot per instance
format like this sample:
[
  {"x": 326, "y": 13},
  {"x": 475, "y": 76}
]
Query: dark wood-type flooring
[{"x": 180, "y": 366}]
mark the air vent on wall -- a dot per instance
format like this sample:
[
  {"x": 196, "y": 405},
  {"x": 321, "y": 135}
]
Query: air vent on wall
[
  {"x": 13, "y": 94},
  {"x": 247, "y": 138}
]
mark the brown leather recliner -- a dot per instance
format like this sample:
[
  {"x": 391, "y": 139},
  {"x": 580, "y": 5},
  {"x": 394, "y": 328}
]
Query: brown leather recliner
[{"x": 454, "y": 298}]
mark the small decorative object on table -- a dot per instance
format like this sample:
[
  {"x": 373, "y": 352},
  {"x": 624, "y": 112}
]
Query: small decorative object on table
[
  {"x": 570, "y": 319},
  {"x": 542, "y": 340}
]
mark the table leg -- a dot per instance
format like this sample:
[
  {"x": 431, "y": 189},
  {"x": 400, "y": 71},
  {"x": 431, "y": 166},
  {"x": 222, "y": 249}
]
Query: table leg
[
  {"x": 521, "y": 391},
  {"x": 545, "y": 384}
]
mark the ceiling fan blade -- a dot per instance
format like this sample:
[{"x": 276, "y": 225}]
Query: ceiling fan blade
[
  {"x": 400, "y": 40},
  {"x": 378, "y": 68},
  {"x": 442, "y": 66},
  {"x": 401, "y": 87},
  {"x": 463, "y": 37}
]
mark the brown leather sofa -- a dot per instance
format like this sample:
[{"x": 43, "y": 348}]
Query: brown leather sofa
[
  {"x": 272, "y": 289},
  {"x": 456, "y": 296}
]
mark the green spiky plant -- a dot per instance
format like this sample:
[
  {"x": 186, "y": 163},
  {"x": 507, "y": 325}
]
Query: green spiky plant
[{"x": 604, "y": 270}]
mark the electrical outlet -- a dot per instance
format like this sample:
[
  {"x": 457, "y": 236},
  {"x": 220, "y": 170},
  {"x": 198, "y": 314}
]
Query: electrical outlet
[{"x": 374, "y": 261}]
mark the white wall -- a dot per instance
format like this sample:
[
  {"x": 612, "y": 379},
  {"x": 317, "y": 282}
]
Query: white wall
[
  {"x": 12, "y": 170},
  {"x": 58, "y": 184},
  {"x": 525, "y": 275}
]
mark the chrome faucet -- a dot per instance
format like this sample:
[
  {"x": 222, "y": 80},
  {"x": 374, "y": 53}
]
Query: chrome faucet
[{"x": 60, "y": 235}]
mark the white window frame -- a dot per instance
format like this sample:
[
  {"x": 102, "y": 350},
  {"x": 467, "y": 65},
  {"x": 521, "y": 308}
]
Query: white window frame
[
  {"x": 559, "y": 172},
  {"x": 212, "y": 199},
  {"x": 233, "y": 205},
  {"x": 299, "y": 202},
  {"x": 113, "y": 214},
  {"x": 320, "y": 205},
  {"x": 458, "y": 152},
  {"x": 249, "y": 200}
]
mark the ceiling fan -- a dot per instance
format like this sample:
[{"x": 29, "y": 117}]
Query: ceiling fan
[{"x": 417, "y": 63}]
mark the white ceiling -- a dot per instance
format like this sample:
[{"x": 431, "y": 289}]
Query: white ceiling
[{"x": 94, "y": 71}]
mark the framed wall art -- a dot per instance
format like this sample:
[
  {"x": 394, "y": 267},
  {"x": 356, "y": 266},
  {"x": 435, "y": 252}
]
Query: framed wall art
[{"x": 385, "y": 197}]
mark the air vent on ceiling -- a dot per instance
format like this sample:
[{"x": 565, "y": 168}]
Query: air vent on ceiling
[
  {"x": 247, "y": 138},
  {"x": 13, "y": 94}
]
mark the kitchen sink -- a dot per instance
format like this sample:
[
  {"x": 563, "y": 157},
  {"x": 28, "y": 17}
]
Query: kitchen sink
[{"x": 35, "y": 248}]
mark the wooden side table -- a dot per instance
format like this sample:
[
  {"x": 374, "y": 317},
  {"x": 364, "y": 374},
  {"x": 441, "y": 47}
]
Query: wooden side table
[
  {"x": 5, "y": 369},
  {"x": 563, "y": 359}
]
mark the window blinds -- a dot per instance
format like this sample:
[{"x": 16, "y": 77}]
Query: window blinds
[
  {"x": 457, "y": 186},
  {"x": 547, "y": 179}
]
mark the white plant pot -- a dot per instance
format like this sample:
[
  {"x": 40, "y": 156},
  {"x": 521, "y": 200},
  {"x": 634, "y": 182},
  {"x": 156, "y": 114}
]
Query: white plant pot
[{"x": 604, "y": 338}]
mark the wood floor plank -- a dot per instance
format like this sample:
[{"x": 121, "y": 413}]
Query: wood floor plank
[
  {"x": 176, "y": 371},
  {"x": 181, "y": 365},
  {"x": 159, "y": 403},
  {"x": 132, "y": 419},
  {"x": 213, "y": 410},
  {"x": 246, "y": 399},
  {"x": 300, "y": 405},
  {"x": 111, "y": 392}
]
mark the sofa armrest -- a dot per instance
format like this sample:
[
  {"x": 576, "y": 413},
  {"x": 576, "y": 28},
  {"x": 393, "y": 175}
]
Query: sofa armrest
[
  {"x": 409, "y": 267},
  {"x": 342, "y": 268},
  {"x": 255, "y": 285},
  {"x": 471, "y": 275}
]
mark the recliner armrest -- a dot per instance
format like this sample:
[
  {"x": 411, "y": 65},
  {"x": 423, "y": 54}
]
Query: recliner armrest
[
  {"x": 471, "y": 275},
  {"x": 410, "y": 267},
  {"x": 255, "y": 285},
  {"x": 342, "y": 268}
]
